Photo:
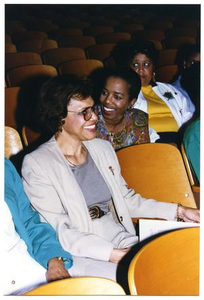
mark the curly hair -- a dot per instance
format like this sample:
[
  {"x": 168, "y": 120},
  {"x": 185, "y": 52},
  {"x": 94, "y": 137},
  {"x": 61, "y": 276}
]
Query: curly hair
[
  {"x": 124, "y": 52},
  {"x": 55, "y": 95}
]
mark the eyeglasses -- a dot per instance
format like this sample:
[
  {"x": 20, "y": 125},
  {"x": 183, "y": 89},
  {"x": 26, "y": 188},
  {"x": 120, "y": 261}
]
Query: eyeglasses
[
  {"x": 144, "y": 65},
  {"x": 87, "y": 113}
]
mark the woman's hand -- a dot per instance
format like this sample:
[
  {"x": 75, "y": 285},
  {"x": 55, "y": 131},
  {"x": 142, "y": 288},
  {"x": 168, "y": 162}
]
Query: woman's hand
[
  {"x": 188, "y": 214},
  {"x": 56, "y": 270},
  {"x": 118, "y": 254}
]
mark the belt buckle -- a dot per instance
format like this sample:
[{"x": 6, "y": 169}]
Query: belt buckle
[{"x": 95, "y": 212}]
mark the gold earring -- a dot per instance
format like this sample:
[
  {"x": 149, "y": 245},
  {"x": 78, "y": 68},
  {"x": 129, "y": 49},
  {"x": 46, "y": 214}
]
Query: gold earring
[
  {"x": 153, "y": 76},
  {"x": 61, "y": 125}
]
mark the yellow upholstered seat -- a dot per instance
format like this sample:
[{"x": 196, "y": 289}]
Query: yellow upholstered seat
[
  {"x": 13, "y": 143},
  {"x": 19, "y": 59},
  {"x": 166, "y": 73},
  {"x": 168, "y": 265},
  {"x": 156, "y": 171},
  {"x": 55, "y": 57},
  {"x": 79, "y": 286},
  {"x": 192, "y": 178},
  {"x": 17, "y": 76},
  {"x": 80, "y": 67},
  {"x": 11, "y": 101},
  {"x": 100, "y": 51}
]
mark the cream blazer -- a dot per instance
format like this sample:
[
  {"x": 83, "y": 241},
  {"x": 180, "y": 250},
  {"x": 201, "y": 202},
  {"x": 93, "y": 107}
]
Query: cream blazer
[{"x": 55, "y": 194}]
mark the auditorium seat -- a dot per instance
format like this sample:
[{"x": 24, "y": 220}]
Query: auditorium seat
[
  {"x": 13, "y": 143},
  {"x": 163, "y": 18},
  {"x": 100, "y": 51},
  {"x": 162, "y": 267},
  {"x": 166, "y": 57},
  {"x": 161, "y": 25},
  {"x": 177, "y": 41},
  {"x": 113, "y": 37},
  {"x": 55, "y": 57},
  {"x": 73, "y": 24},
  {"x": 149, "y": 34},
  {"x": 63, "y": 21},
  {"x": 80, "y": 67},
  {"x": 10, "y": 48},
  {"x": 187, "y": 22},
  {"x": 28, "y": 35},
  {"x": 158, "y": 45},
  {"x": 139, "y": 19},
  {"x": 8, "y": 38},
  {"x": 192, "y": 177},
  {"x": 166, "y": 73},
  {"x": 105, "y": 22},
  {"x": 129, "y": 28},
  {"x": 14, "y": 26},
  {"x": 156, "y": 171},
  {"x": 109, "y": 62},
  {"x": 79, "y": 286},
  {"x": 18, "y": 59},
  {"x": 11, "y": 100},
  {"x": 77, "y": 41},
  {"x": 17, "y": 76},
  {"x": 64, "y": 32},
  {"x": 181, "y": 31},
  {"x": 97, "y": 30},
  {"x": 29, "y": 136},
  {"x": 37, "y": 46},
  {"x": 41, "y": 25}
]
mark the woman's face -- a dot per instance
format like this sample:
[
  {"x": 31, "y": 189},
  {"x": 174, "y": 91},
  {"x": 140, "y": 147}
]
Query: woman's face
[
  {"x": 75, "y": 124},
  {"x": 115, "y": 98},
  {"x": 144, "y": 67},
  {"x": 195, "y": 58}
]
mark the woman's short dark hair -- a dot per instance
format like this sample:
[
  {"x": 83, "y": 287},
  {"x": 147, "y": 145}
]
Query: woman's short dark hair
[
  {"x": 124, "y": 52},
  {"x": 128, "y": 75},
  {"x": 55, "y": 95},
  {"x": 185, "y": 53}
]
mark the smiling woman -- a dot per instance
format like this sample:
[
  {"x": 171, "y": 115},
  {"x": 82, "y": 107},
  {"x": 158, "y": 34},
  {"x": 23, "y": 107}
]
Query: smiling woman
[
  {"x": 118, "y": 122},
  {"x": 74, "y": 181},
  {"x": 66, "y": 110}
]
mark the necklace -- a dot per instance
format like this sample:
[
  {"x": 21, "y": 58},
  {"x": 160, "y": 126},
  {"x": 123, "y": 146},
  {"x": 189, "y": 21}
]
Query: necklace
[
  {"x": 116, "y": 129},
  {"x": 71, "y": 163},
  {"x": 116, "y": 135}
]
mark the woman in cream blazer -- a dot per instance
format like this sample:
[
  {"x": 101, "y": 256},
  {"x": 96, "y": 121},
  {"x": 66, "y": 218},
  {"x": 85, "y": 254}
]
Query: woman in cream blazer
[{"x": 56, "y": 193}]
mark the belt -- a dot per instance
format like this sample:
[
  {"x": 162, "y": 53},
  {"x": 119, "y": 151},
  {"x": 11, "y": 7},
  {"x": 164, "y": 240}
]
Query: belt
[{"x": 95, "y": 212}]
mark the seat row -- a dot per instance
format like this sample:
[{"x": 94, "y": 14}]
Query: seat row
[
  {"x": 130, "y": 23},
  {"x": 82, "y": 67},
  {"x": 106, "y": 34},
  {"x": 19, "y": 75}
]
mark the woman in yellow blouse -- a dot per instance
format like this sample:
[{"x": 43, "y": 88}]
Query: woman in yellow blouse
[{"x": 167, "y": 108}]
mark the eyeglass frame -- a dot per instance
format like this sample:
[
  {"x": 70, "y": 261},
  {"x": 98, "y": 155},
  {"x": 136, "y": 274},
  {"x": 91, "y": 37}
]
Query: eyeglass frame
[{"x": 84, "y": 112}]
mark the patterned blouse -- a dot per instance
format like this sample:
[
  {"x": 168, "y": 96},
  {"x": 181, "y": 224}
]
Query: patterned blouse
[{"x": 135, "y": 130}]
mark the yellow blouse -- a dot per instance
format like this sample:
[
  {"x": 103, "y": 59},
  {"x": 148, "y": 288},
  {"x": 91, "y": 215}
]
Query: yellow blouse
[{"x": 160, "y": 115}]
